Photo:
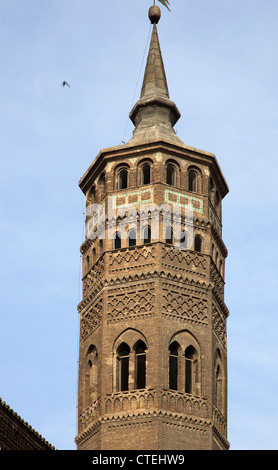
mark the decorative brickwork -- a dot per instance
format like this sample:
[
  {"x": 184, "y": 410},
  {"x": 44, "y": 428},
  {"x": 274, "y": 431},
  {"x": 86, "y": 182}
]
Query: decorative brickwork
[
  {"x": 131, "y": 301},
  {"x": 219, "y": 325},
  {"x": 184, "y": 303},
  {"x": 90, "y": 319},
  {"x": 184, "y": 200},
  {"x": 153, "y": 345}
]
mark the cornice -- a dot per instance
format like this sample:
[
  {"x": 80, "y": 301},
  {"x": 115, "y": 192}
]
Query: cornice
[
  {"x": 129, "y": 418},
  {"x": 143, "y": 276},
  {"x": 129, "y": 150}
]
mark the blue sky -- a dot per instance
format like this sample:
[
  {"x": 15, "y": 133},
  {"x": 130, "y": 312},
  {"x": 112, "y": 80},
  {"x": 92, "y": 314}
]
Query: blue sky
[{"x": 221, "y": 61}]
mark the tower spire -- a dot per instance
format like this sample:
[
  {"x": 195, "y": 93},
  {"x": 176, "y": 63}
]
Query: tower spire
[
  {"x": 155, "y": 82},
  {"x": 154, "y": 115}
]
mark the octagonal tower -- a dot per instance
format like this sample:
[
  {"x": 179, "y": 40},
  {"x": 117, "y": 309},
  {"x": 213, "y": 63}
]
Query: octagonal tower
[{"x": 153, "y": 349}]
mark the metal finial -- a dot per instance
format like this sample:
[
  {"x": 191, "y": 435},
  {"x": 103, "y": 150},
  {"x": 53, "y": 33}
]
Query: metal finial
[{"x": 154, "y": 14}]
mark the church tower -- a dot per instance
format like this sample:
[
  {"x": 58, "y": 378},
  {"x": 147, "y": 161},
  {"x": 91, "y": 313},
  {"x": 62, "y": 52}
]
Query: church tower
[{"x": 153, "y": 351}]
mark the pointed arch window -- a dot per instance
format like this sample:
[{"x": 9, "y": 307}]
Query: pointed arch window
[
  {"x": 184, "y": 364},
  {"x": 147, "y": 234},
  {"x": 140, "y": 365},
  {"x": 169, "y": 235},
  {"x": 92, "y": 195},
  {"x": 146, "y": 174},
  {"x": 193, "y": 181},
  {"x": 198, "y": 243},
  {"x": 189, "y": 355},
  {"x": 117, "y": 241},
  {"x": 123, "y": 366},
  {"x": 183, "y": 240},
  {"x": 216, "y": 259},
  {"x": 218, "y": 380},
  {"x": 132, "y": 237},
  {"x": 171, "y": 175},
  {"x": 221, "y": 267},
  {"x": 173, "y": 366},
  {"x": 102, "y": 184},
  {"x": 217, "y": 198},
  {"x": 218, "y": 204},
  {"x": 92, "y": 376},
  {"x": 123, "y": 178},
  {"x": 211, "y": 184},
  {"x": 87, "y": 263}
]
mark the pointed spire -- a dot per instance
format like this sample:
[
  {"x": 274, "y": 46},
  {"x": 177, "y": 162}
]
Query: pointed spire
[
  {"x": 155, "y": 82},
  {"x": 154, "y": 115}
]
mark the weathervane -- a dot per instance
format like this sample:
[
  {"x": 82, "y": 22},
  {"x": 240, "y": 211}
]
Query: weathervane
[{"x": 164, "y": 2}]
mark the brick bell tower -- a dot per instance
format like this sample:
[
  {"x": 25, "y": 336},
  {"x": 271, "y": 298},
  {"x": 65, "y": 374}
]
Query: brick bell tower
[{"x": 153, "y": 351}]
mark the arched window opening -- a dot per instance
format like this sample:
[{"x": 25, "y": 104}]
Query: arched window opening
[
  {"x": 189, "y": 367},
  {"x": 169, "y": 235},
  {"x": 92, "y": 195},
  {"x": 184, "y": 364},
  {"x": 132, "y": 237},
  {"x": 171, "y": 175},
  {"x": 221, "y": 267},
  {"x": 92, "y": 377},
  {"x": 123, "y": 366},
  {"x": 117, "y": 241},
  {"x": 100, "y": 247},
  {"x": 87, "y": 263},
  {"x": 123, "y": 178},
  {"x": 218, "y": 390},
  {"x": 211, "y": 184},
  {"x": 218, "y": 204},
  {"x": 192, "y": 181},
  {"x": 183, "y": 240},
  {"x": 140, "y": 365},
  {"x": 198, "y": 243},
  {"x": 173, "y": 366},
  {"x": 102, "y": 184},
  {"x": 147, "y": 235},
  {"x": 146, "y": 174}
]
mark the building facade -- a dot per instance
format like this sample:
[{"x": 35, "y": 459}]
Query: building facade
[{"x": 153, "y": 343}]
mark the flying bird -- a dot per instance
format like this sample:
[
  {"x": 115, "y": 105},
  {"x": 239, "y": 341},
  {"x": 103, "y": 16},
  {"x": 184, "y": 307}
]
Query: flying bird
[{"x": 65, "y": 83}]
